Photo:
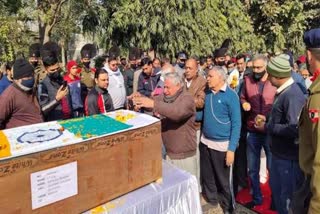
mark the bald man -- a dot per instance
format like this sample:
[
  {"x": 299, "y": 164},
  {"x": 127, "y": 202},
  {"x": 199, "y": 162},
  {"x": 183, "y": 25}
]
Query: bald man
[{"x": 195, "y": 84}]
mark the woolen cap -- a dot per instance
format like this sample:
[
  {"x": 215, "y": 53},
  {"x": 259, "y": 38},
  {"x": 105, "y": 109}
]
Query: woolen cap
[
  {"x": 279, "y": 66},
  {"x": 22, "y": 68}
]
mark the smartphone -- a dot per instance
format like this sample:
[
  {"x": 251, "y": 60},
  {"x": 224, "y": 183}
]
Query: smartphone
[{"x": 64, "y": 85}]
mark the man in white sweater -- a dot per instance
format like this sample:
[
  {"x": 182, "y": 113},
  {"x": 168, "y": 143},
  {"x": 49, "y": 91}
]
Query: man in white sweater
[{"x": 116, "y": 89}]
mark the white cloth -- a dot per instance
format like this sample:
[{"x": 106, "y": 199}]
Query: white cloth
[
  {"x": 116, "y": 89},
  {"x": 218, "y": 146},
  {"x": 178, "y": 193},
  {"x": 187, "y": 164}
]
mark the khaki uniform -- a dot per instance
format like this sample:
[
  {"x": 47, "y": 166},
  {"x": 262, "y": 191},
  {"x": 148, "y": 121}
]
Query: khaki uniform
[
  {"x": 40, "y": 73},
  {"x": 87, "y": 77},
  {"x": 309, "y": 144}
]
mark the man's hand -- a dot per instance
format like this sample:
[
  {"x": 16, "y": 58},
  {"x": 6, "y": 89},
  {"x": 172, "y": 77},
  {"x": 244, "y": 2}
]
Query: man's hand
[
  {"x": 61, "y": 93},
  {"x": 229, "y": 158},
  {"x": 259, "y": 122},
  {"x": 134, "y": 95},
  {"x": 246, "y": 106},
  {"x": 143, "y": 102}
]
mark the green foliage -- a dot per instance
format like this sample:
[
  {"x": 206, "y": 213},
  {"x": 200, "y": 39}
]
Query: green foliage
[
  {"x": 172, "y": 25},
  {"x": 69, "y": 22},
  {"x": 197, "y": 26},
  {"x": 280, "y": 23},
  {"x": 14, "y": 34},
  {"x": 312, "y": 12}
]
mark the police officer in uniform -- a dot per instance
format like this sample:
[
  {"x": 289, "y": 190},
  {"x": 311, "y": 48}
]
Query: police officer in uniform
[
  {"x": 308, "y": 197},
  {"x": 36, "y": 62},
  {"x": 87, "y": 52}
]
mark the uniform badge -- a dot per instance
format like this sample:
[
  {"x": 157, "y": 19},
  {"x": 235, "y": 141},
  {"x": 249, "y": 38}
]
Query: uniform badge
[{"x": 314, "y": 115}]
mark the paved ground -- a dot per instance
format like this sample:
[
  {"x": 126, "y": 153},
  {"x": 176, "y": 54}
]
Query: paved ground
[{"x": 208, "y": 209}]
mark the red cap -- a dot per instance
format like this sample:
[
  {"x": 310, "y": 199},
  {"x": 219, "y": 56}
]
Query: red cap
[{"x": 302, "y": 59}]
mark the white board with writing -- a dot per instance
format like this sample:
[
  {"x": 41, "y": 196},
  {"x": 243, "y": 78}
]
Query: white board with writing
[{"x": 54, "y": 184}]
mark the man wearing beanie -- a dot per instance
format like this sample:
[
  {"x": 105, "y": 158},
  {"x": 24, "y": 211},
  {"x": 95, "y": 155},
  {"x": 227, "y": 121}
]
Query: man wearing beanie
[
  {"x": 282, "y": 128},
  {"x": 19, "y": 106}
]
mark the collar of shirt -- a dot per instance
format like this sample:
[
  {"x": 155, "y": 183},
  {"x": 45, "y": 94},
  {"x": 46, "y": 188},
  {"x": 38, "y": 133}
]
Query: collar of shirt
[
  {"x": 241, "y": 75},
  {"x": 289, "y": 82},
  {"x": 188, "y": 83},
  {"x": 223, "y": 88}
]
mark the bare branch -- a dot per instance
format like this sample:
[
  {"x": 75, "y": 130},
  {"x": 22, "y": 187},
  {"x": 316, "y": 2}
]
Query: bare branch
[{"x": 56, "y": 14}]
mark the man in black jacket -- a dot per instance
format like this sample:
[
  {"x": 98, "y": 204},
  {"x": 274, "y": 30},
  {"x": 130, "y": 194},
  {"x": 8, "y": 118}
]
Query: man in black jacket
[
  {"x": 55, "y": 101},
  {"x": 99, "y": 100}
]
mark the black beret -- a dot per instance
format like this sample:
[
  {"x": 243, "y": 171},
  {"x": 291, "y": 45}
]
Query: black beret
[
  {"x": 34, "y": 50},
  {"x": 312, "y": 38},
  {"x": 86, "y": 54},
  {"x": 88, "y": 51},
  {"x": 221, "y": 52}
]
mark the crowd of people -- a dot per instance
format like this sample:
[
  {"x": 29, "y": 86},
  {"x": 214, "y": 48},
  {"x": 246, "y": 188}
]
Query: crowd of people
[{"x": 218, "y": 113}]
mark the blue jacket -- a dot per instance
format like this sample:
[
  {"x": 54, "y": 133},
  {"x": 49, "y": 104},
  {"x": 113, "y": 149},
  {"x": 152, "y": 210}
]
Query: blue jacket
[
  {"x": 221, "y": 117},
  {"x": 300, "y": 81},
  {"x": 4, "y": 83},
  {"x": 282, "y": 125}
]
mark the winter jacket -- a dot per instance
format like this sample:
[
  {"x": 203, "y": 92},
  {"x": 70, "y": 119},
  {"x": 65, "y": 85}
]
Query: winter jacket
[
  {"x": 282, "y": 126},
  {"x": 75, "y": 92},
  {"x": 260, "y": 101},
  {"x": 98, "y": 101},
  {"x": 51, "y": 108},
  {"x": 178, "y": 129},
  {"x": 18, "y": 108},
  {"x": 146, "y": 84}
]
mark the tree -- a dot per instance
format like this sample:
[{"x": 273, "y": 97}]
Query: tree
[
  {"x": 312, "y": 12},
  {"x": 49, "y": 14},
  {"x": 14, "y": 33},
  {"x": 172, "y": 25},
  {"x": 68, "y": 25},
  {"x": 280, "y": 23}
]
